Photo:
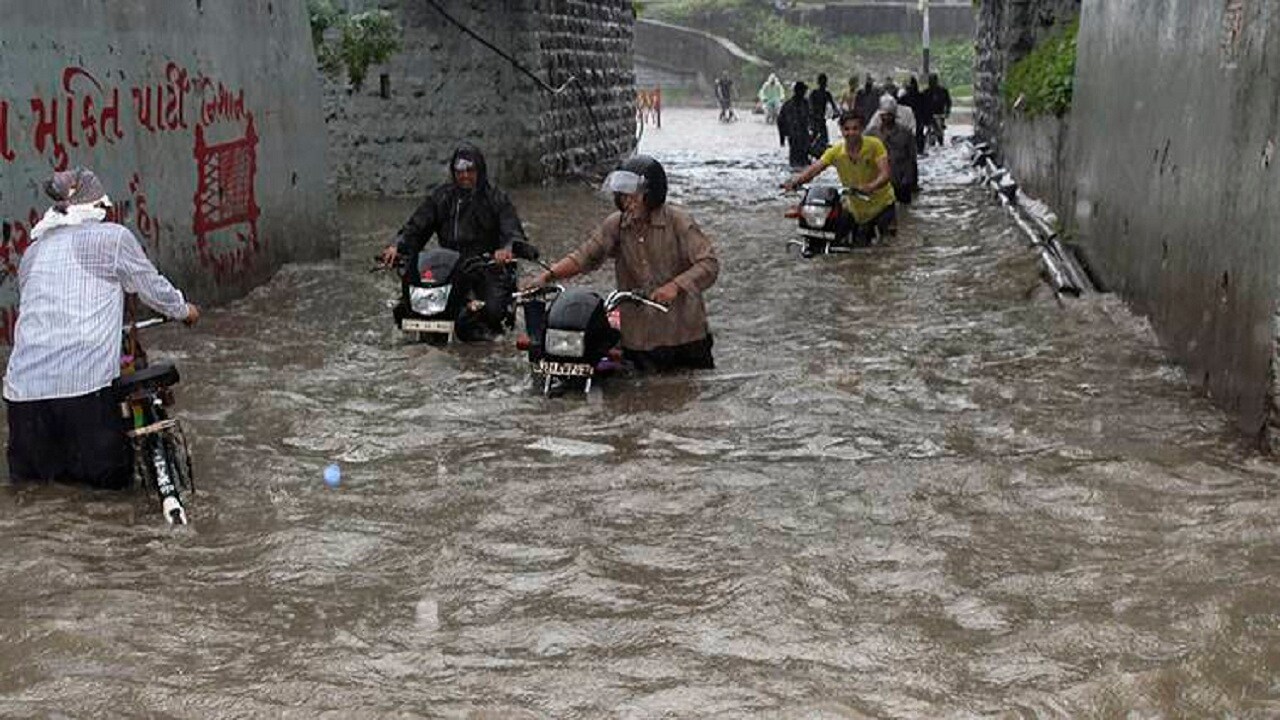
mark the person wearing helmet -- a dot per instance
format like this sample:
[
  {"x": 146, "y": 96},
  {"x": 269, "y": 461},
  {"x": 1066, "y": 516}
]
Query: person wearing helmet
[
  {"x": 472, "y": 216},
  {"x": 657, "y": 248}
]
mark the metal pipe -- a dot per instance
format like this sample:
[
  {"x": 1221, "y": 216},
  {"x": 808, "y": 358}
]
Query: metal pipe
[
  {"x": 1075, "y": 273},
  {"x": 1060, "y": 271}
]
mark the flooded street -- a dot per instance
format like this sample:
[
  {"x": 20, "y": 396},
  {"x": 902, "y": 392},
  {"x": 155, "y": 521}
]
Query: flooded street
[{"x": 914, "y": 487}]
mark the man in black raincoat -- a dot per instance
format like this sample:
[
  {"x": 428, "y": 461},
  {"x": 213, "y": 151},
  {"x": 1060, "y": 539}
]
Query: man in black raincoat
[
  {"x": 914, "y": 99},
  {"x": 795, "y": 127},
  {"x": 471, "y": 216}
]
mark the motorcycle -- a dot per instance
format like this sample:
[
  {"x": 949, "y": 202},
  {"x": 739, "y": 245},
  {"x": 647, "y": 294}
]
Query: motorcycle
[
  {"x": 572, "y": 334},
  {"x": 437, "y": 296},
  {"x": 821, "y": 222},
  {"x": 935, "y": 131},
  {"x": 161, "y": 458}
]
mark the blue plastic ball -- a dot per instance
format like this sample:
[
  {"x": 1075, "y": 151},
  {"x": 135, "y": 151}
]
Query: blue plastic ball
[{"x": 332, "y": 475}]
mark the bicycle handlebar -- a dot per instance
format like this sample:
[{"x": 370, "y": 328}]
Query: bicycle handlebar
[{"x": 144, "y": 324}]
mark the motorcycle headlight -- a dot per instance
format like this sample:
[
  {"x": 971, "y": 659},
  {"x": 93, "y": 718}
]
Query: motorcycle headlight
[
  {"x": 429, "y": 301},
  {"x": 565, "y": 343},
  {"x": 815, "y": 216}
]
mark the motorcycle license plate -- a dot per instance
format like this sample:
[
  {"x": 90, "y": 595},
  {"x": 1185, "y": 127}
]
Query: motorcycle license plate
[
  {"x": 546, "y": 367},
  {"x": 430, "y": 326}
]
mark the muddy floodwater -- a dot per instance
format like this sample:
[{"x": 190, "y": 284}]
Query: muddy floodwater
[{"x": 915, "y": 486}]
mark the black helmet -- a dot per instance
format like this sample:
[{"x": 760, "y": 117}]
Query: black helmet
[{"x": 653, "y": 180}]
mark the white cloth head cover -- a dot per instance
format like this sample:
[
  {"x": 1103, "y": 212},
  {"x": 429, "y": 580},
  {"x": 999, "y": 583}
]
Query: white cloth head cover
[{"x": 79, "y": 214}]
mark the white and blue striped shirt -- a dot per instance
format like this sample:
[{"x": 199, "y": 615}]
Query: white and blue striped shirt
[{"x": 71, "y": 286}]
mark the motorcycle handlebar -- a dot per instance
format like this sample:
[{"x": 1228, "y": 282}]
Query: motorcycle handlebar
[
  {"x": 528, "y": 294},
  {"x": 617, "y": 297},
  {"x": 844, "y": 191}
]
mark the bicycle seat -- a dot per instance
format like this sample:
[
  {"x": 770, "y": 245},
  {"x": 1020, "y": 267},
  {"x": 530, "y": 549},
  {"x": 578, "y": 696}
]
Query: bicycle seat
[{"x": 159, "y": 375}]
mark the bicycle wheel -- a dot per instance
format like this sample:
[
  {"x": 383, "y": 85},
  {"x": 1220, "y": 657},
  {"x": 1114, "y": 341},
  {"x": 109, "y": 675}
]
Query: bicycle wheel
[
  {"x": 180, "y": 459},
  {"x": 164, "y": 464}
]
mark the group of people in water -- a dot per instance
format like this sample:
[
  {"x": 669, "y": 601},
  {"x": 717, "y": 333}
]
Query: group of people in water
[
  {"x": 802, "y": 118},
  {"x": 64, "y": 420},
  {"x": 883, "y": 132}
]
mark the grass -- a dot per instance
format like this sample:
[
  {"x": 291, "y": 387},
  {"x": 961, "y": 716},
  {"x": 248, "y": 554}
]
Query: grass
[{"x": 802, "y": 52}]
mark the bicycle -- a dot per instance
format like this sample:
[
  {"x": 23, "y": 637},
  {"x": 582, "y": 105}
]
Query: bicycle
[{"x": 161, "y": 458}]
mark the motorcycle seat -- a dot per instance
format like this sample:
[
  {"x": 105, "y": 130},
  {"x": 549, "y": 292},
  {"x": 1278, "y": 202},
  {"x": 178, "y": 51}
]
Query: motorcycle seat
[{"x": 159, "y": 375}]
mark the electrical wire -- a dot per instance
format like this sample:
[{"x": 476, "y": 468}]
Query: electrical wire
[{"x": 573, "y": 79}]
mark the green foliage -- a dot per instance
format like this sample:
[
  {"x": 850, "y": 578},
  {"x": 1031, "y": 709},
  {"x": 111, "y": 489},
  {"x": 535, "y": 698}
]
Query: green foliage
[
  {"x": 781, "y": 42},
  {"x": 323, "y": 16},
  {"x": 799, "y": 51},
  {"x": 364, "y": 39},
  {"x": 1044, "y": 78},
  {"x": 683, "y": 11},
  {"x": 368, "y": 38},
  {"x": 953, "y": 61}
]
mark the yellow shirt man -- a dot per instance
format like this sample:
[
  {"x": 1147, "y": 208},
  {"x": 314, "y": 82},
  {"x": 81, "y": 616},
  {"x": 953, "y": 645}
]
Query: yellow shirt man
[{"x": 857, "y": 170}]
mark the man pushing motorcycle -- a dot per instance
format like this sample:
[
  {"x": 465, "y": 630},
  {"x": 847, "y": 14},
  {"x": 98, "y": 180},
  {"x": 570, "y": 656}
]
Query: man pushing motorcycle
[
  {"x": 863, "y": 166},
  {"x": 660, "y": 250}
]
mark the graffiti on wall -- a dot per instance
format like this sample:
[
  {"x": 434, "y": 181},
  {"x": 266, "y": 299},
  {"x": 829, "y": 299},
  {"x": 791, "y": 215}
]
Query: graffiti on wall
[{"x": 85, "y": 113}]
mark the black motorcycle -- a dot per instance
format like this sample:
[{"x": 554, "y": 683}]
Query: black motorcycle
[
  {"x": 572, "y": 335},
  {"x": 821, "y": 222},
  {"x": 439, "y": 298}
]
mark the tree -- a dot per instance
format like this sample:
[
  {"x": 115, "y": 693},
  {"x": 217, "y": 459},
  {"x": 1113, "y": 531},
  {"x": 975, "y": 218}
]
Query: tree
[{"x": 363, "y": 39}]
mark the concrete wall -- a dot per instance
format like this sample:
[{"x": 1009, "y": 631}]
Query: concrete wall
[
  {"x": 1175, "y": 181},
  {"x": 673, "y": 56},
  {"x": 147, "y": 94},
  {"x": 888, "y": 18},
  {"x": 446, "y": 87},
  {"x": 1007, "y": 31},
  {"x": 1035, "y": 151}
]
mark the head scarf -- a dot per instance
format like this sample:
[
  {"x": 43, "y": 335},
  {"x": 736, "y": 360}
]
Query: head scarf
[
  {"x": 75, "y": 187},
  {"x": 78, "y": 198}
]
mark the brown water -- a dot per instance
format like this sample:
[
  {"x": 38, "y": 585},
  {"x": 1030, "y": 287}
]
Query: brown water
[{"x": 915, "y": 487}]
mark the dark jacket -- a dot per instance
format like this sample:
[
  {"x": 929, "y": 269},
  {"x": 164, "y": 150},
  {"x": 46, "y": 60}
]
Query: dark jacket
[
  {"x": 819, "y": 100},
  {"x": 900, "y": 143},
  {"x": 794, "y": 121},
  {"x": 914, "y": 99},
  {"x": 937, "y": 101},
  {"x": 472, "y": 222},
  {"x": 867, "y": 103}
]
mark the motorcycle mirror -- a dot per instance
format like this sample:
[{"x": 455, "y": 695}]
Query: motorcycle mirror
[{"x": 525, "y": 250}]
